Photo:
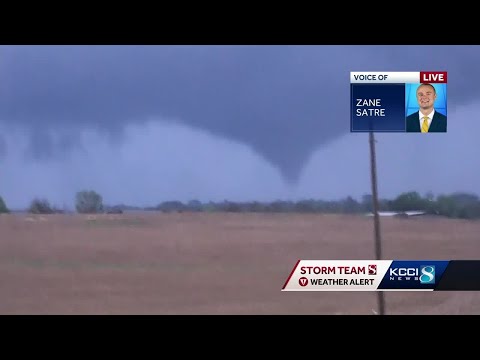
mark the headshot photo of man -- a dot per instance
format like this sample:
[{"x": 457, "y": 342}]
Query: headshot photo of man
[{"x": 428, "y": 118}]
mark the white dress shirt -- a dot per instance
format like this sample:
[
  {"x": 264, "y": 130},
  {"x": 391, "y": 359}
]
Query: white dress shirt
[{"x": 430, "y": 118}]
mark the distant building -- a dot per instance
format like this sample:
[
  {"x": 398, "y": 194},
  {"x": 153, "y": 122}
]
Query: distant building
[{"x": 399, "y": 213}]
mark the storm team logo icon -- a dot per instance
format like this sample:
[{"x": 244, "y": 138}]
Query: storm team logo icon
[{"x": 303, "y": 281}]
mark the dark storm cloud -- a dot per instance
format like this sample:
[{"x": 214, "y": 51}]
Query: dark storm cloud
[{"x": 284, "y": 101}]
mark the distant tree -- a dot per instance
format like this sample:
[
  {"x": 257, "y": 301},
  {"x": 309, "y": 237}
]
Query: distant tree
[
  {"x": 384, "y": 205},
  {"x": 117, "y": 209},
  {"x": 281, "y": 206},
  {"x": 3, "y": 207},
  {"x": 194, "y": 205},
  {"x": 305, "y": 206},
  {"x": 88, "y": 202},
  {"x": 172, "y": 206},
  {"x": 350, "y": 205},
  {"x": 429, "y": 196},
  {"x": 367, "y": 204},
  {"x": 254, "y": 206},
  {"x": 209, "y": 207},
  {"x": 230, "y": 206},
  {"x": 458, "y": 205},
  {"x": 462, "y": 198},
  {"x": 409, "y": 201},
  {"x": 40, "y": 206}
]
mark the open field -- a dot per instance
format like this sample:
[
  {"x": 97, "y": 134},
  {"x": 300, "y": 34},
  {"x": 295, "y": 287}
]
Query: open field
[{"x": 212, "y": 263}]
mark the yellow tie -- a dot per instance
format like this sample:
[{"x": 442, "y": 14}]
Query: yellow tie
[{"x": 425, "y": 124}]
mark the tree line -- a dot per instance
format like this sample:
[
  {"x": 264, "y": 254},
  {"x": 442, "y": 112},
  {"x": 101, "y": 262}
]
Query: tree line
[
  {"x": 86, "y": 202},
  {"x": 456, "y": 205}
]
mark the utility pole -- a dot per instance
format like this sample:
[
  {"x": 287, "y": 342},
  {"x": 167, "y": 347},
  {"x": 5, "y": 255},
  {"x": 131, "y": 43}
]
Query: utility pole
[{"x": 376, "y": 217}]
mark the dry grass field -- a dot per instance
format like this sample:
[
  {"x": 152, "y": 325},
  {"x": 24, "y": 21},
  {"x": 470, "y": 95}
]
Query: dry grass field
[{"x": 212, "y": 263}]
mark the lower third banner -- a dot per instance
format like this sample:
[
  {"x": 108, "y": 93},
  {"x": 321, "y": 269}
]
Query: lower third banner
[{"x": 384, "y": 275}]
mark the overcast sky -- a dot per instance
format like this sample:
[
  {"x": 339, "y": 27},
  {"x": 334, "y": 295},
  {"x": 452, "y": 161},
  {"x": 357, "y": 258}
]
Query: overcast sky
[{"x": 145, "y": 124}]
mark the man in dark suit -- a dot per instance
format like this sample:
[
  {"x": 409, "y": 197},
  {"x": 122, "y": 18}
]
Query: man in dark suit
[{"x": 427, "y": 119}]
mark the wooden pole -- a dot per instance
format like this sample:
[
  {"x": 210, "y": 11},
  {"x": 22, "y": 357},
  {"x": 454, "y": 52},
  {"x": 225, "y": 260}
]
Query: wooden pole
[{"x": 376, "y": 217}]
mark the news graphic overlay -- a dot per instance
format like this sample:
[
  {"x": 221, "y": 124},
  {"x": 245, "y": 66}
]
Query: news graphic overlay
[
  {"x": 384, "y": 275},
  {"x": 398, "y": 101},
  {"x": 336, "y": 275}
]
